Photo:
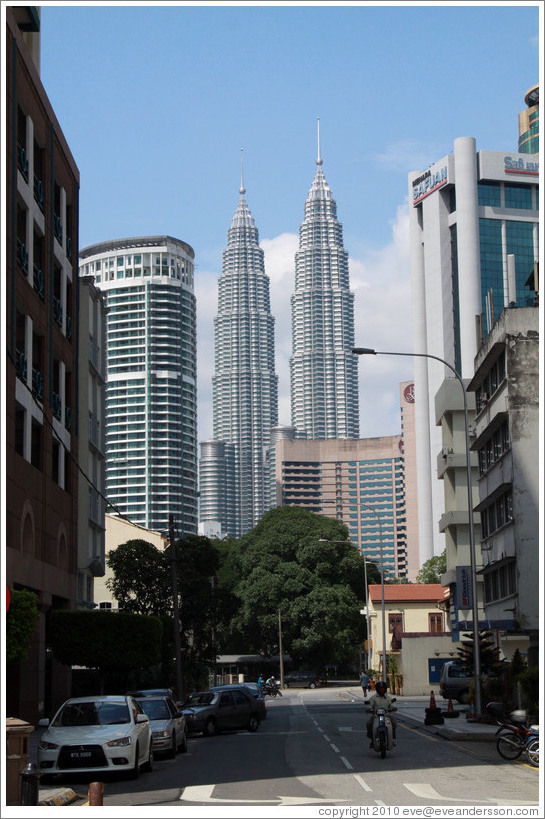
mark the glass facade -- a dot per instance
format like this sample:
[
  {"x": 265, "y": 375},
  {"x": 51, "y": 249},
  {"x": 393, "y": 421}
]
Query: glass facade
[{"x": 151, "y": 400}]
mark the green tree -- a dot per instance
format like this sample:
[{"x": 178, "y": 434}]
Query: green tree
[
  {"x": 433, "y": 568},
  {"x": 303, "y": 565},
  {"x": 488, "y": 651},
  {"x": 21, "y": 623},
  {"x": 141, "y": 580}
]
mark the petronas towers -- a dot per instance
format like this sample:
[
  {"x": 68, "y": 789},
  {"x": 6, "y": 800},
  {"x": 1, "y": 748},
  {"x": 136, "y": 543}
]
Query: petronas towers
[{"x": 235, "y": 478}]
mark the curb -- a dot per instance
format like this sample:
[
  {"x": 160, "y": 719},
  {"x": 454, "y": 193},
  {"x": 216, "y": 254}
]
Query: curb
[
  {"x": 446, "y": 733},
  {"x": 64, "y": 797}
]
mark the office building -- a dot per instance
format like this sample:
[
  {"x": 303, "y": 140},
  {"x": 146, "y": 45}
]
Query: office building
[
  {"x": 41, "y": 365},
  {"x": 323, "y": 369},
  {"x": 359, "y": 482},
  {"x": 407, "y": 401},
  {"x": 474, "y": 240},
  {"x": 151, "y": 391},
  {"x": 244, "y": 385},
  {"x": 529, "y": 123},
  {"x": 218, "y": 503}
]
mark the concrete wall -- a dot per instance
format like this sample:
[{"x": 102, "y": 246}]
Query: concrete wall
[{"x": 414, "y": 665}]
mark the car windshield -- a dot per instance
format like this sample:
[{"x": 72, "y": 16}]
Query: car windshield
[
  {"x": 155, "y": 709},
  {"x": 93, "y": 712},
  {"x": 200, "y": 699}
]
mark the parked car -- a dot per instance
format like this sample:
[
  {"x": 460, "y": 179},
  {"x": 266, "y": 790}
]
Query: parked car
[
  {"x": 253, "y": 689},
  {"x": 152, "y": 692},
  {"x": 168, "y": 725},
  {"x": 96, "y": 735},
  {"x": 210, "y": 712},
  {"x": 455, "y": 681},
  {"x": 304, "y": 679}
]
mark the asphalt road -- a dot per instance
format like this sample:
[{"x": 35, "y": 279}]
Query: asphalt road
[{"x": 312, "y": 751}]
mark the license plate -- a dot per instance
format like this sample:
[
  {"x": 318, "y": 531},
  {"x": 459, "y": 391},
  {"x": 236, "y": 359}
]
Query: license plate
[{"x": 80, "y": 754}]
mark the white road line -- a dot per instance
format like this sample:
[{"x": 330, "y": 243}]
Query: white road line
[
  {"x": 341, "y": 728},
  {"x": 347, "y": 763},
  {"x": 335, "y": 748},
  {"x": 362, "y": 782},
  {"x": 326, "y": 737},
  {"x": 321, "y": 730}
]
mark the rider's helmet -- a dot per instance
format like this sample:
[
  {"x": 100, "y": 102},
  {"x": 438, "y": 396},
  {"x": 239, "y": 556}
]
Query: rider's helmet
[{"x": 380, "y": 687}]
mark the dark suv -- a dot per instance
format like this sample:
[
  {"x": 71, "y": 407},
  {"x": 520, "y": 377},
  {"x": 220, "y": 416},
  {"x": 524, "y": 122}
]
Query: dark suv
[{"x": 304, "y": 679}]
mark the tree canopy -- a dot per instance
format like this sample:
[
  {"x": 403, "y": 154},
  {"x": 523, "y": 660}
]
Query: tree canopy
[
  {"x": 433, "y": 568},
  {"x": 304, "y": 566},
  {"x": 21, "y": 623}
]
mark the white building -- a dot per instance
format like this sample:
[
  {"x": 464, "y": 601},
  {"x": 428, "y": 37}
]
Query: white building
[
  {"x": 470, "y": 212},
  {"x": 151, "y": 393},
  {"x": 323, "y": 369},
  {"x": 91, "y": 438}
]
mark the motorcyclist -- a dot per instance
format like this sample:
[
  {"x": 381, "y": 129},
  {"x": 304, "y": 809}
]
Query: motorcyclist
[
  {"x": 271, "y": 682},
  {"x": 381, "y": 699}
]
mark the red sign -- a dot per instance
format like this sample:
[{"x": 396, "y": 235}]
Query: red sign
[{"x": 8, "y": 599}]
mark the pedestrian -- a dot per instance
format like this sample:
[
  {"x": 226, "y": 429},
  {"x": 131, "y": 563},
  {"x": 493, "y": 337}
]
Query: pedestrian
[
  {"x": 364, "y": 682},
  {"x": 260, "y": 684}
]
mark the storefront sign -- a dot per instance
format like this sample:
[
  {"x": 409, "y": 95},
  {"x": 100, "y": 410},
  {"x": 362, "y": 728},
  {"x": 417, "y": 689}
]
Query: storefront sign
[{"x": 464, "y": 598}]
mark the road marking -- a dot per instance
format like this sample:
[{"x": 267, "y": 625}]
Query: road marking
[
  {"x": 203, "y": 793},
  {"x": 325, "y": 736},
  {"x": 426, "y": 791},
  {"x": 418, "y": 731},
  {"x": 341, "y": 728},
  {"x": 335, "y": 748},
  {"x": 363, "y": 783},
  {"x": 347, "y": 763}
]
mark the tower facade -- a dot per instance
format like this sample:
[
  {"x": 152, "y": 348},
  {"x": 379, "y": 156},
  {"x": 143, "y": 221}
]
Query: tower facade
[
  {"x": 323, "y": 369},
  {"x": 529, "y": 123},
  {"x": 244, "y": 385},
  {"x": 151, "y": 392}
]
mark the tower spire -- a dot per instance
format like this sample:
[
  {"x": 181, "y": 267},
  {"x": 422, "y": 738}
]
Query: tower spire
[
  {"x": 242, "y": 189},
  {"x": 319, "y": 161}
]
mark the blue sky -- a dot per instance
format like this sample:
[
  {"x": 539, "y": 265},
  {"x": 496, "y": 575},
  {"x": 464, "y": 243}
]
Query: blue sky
[{"x": 156, "y": 102}]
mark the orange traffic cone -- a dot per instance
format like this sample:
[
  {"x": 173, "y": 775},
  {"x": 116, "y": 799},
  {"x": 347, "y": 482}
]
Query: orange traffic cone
[
  {"x": 450, "y": 707},
  {"x": 470, "y": 715},
  {"x": 432, "y": 700}
]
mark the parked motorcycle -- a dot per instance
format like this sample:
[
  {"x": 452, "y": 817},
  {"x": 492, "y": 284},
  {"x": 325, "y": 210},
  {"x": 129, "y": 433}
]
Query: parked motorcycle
[
  {"x": 383, "y": 735},
  {"x": 514, "y": 733},
  {"x": 532, "y": 746}
]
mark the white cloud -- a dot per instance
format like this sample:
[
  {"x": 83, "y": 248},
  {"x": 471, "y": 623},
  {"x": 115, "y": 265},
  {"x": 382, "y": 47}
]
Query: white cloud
[
  {"x": 380, "y": 280},
  {"x": 407, "y": 155}
]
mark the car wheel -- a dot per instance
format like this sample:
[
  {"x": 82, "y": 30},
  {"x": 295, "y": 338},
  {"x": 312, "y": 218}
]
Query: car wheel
[
  {"x": 183, "y": 744},
  {"x": 172, "y": 751},
  {"x": 253, "y": 723},
  {"x": 149, "y": 764},
  {"x": 312, "y": 685},
  {"x": 136, "y": 767},
  {"x": 210, "y": 728}
]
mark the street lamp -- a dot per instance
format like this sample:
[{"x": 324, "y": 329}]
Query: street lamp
[
  {"x": 476, "y": 652},
  {"x": 363, "y": 503}
]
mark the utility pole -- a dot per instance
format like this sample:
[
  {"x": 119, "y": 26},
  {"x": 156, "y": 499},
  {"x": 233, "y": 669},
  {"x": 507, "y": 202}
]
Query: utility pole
[
  {"x": 280, "y": 648},
  {"x": 176, "y": 610}
]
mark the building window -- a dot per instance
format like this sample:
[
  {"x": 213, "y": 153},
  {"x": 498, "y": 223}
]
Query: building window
[
  {"x": 395, "y": 622},
  {"x": 435, "y": 621},
  {"x": 489, "y": 193}
]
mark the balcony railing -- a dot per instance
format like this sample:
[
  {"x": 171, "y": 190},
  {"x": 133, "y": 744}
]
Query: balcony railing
[
  {"x": 22, "y": 161},
  {"x": 21, "y": 363},
  {"x": 39, "y": 285},
  {"x": 57, "y": 227},
  {"x": 57, "y": 310},
  {"x": 39, "y": 194},
  {"x": 37, "y": 384},
  {"x": 22, "y": 256},
  {"x": 93, "y": 505},
  {"x": 57, "y": 405}
]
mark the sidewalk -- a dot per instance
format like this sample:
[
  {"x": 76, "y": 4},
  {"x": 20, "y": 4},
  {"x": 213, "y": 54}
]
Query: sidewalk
[
  {"x": 412, "y": 710},
  {"x": 53, "y": 794}
]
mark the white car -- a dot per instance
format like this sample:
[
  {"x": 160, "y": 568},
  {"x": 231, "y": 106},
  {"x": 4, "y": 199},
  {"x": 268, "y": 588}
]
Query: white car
[
  {"x": 96, "y": 735},
  {"x": 168, "y": 725}
]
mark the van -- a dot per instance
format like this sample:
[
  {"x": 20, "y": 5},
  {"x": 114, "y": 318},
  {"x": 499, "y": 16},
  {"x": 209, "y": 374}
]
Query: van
[{"x": 455, "y": 681}]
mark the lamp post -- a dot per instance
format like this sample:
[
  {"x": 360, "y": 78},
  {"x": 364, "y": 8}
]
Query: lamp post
[
  {"x": 476, "y": 652},
  {"x": 363, "y": 503}
]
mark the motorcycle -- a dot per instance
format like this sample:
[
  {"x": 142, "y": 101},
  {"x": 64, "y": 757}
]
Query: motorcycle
[
  {"x": 532, "y": 746},
  {"x": 271, "y": 689},
  {"x": 514, "y": 734},
  {"x": 383, "y": 735}
]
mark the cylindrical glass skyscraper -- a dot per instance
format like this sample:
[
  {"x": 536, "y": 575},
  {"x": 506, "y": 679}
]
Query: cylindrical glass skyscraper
[{"x": 151, "y": 390}]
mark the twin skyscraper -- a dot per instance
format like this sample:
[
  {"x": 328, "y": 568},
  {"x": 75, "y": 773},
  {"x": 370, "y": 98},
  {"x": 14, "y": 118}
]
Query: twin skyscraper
[{"x": 236, "y": 479}]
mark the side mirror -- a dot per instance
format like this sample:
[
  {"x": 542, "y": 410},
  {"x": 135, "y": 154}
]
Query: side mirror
[
  {"x": 43, "y": 723},
  {"x": 142, "y": 718}
]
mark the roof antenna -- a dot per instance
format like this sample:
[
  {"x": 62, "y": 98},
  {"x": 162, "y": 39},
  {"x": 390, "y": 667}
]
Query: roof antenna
[
  {"x": 242, "y": 189},
  {"x": 319, "y": 161}
]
